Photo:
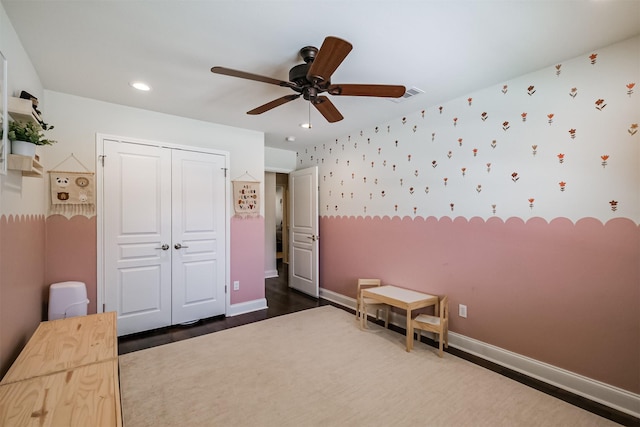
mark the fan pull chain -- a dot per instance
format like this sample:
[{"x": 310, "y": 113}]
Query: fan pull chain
[{"x": 309, "y": 115}]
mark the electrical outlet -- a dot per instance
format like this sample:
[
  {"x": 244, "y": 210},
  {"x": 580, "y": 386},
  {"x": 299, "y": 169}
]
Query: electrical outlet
[
  {"x": 462, "y": 310},
  {"x": 236, "y": 285}
]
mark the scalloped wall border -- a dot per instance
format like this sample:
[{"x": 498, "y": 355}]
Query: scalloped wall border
[{"x": 477, "y": 218}]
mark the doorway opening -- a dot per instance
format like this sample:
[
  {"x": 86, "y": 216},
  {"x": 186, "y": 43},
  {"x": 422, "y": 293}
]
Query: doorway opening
[
  {"x": 282, "y": 218},
  {"x": 276, "y": 224}
]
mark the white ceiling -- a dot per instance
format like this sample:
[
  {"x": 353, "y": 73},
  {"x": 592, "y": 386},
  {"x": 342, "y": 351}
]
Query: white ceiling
[{"x": 447, "y": 48}]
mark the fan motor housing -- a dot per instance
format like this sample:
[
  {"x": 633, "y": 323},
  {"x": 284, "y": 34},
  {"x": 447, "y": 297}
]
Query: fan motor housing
[
  {"x": 298, "y": 74},
  {"x": 308, "y": 53}
]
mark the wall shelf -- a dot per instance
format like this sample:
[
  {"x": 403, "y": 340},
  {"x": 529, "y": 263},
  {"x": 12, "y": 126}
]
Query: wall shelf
[
  {"x": 21, "y": 110},
  {"x": 30, "y": 166}
]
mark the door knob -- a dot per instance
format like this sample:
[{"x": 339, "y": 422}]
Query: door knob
[
  {"x": 179, "y": 246},
  {"x": 164, "y": 247}
]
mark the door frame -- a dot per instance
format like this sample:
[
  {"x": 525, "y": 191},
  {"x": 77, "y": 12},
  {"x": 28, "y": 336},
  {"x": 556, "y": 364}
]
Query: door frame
[{"x": 100, "y": 138}]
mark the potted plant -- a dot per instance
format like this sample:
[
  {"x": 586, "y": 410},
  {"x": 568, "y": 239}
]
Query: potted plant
[{"x": 25, "y": 136}]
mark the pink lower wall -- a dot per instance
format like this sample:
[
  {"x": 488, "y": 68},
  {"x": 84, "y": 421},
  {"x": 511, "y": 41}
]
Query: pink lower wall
[
  {"x": 35, "y": 252},
  {"x": 71, "y": 252},
  {"x": 562, "y": 293},
  {"x": 22, "y": 282},
  {"x": 71, "y": 255},
  {"x": 247, "y": 258}
]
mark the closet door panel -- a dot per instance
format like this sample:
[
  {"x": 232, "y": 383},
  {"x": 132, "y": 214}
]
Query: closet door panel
[
  {"x": 199, "y": 233},
  {"x": 137, "y": 223}
]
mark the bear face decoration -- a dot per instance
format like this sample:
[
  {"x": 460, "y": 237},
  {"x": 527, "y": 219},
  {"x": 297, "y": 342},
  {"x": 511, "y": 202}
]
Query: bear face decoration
[{"x": 82, "y": 181}]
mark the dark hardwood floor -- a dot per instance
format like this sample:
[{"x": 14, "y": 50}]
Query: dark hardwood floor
[
  {"x": 283, "y": 300},
  {"x": 280, "y": 300}
]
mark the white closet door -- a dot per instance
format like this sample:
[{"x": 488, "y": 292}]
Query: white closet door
[
  {"x": 137, "y": 223},
  {"x": 198, "y": 218}
]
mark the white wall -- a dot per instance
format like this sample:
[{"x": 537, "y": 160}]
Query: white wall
[
  {"x": 19, "y": 195},
  {"x": 22, "y": 74},
  {"x": 77, "y": 120},
  {"x": 277, "y": 160}
]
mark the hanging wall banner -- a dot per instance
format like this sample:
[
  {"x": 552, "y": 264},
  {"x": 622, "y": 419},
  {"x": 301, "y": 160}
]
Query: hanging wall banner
[
  {"x": 72, "y": 193},
  {"x": 246, "y": 195}
]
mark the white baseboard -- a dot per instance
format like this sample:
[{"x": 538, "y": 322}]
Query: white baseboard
[
  {"x": 246, "y": 307},
  {"x": 270, "y": 273},
  {"x": 613, "y": 397},
  {"x": 338, "y": 298}
]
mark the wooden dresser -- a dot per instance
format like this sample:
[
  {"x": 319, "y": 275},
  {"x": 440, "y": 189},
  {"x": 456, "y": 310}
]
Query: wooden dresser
[{"x": 67, "y": 375}]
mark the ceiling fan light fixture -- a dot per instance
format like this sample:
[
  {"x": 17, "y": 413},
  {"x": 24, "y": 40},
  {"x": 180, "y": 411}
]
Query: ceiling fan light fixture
[
  {"x": 140, "y": 86},
  {"x": 313, "y": 78}
]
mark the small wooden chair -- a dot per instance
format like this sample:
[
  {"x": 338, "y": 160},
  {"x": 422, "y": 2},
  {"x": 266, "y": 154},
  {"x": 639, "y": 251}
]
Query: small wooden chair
[
  {"x": 363, "y": 303},
  {"x": 436, "y": 324}
]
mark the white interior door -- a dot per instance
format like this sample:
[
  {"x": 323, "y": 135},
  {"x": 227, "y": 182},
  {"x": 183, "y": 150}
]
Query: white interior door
[
  {"x": 137, "y": 237},
  {"x": 198, "y": 218},
  {"x": 303, "y": 268}
]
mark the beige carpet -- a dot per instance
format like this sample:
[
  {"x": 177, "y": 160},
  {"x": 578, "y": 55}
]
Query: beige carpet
[{"x": 317, "y": 368}]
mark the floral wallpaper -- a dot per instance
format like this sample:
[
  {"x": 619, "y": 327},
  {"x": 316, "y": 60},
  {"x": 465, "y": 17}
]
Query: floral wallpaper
[{"x": 559, "y": 142}]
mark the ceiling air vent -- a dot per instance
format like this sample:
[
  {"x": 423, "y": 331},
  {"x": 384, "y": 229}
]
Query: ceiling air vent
[{"x": 411, "y": 92}]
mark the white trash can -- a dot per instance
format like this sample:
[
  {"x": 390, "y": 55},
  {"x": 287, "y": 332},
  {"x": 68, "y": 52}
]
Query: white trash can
[{"x": 67, "y": 299}]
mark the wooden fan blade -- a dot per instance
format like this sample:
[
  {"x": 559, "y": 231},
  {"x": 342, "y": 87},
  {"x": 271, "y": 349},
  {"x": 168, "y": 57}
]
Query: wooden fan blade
[
  {"x": 250, "y": 76},
  {"x": 387, "y": 91},
  {"x": 329, "y": 57},
  {"x": 327, "y": 109},
  {"x": 273, "y": 104}
]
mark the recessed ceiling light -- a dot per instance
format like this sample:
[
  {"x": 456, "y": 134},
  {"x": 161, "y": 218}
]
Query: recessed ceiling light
[
  {"x": 140, "y": 86},
  {"x": 305, "y": 125},
  {"x": 290, "y": 138}
]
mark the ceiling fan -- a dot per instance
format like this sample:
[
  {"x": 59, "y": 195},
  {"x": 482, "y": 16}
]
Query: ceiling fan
[{"x": 313, "y": 78}]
